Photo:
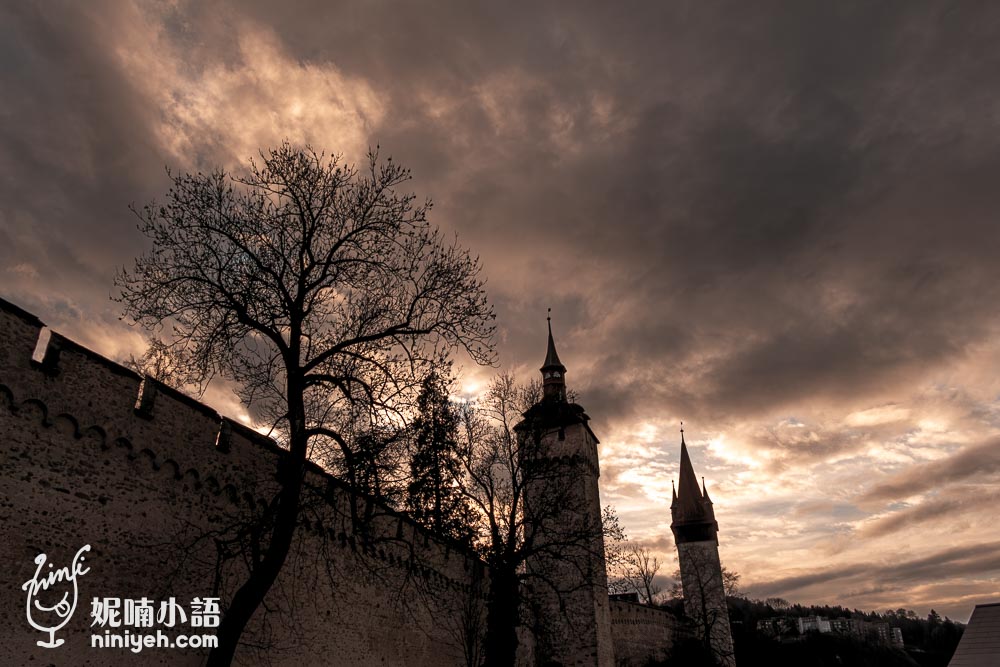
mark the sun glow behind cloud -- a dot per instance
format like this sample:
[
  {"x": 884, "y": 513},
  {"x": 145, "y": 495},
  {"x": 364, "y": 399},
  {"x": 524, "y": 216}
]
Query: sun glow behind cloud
[{"x": 257, "y": 98}]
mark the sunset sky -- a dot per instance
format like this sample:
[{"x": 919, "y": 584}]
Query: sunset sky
[{"x": 777, "y": 222}]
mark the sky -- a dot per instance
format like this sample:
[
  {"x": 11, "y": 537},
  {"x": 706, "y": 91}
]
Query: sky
[{"x": 776, "y": 222}]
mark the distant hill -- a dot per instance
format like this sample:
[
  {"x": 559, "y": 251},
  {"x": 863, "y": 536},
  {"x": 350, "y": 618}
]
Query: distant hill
[{"x": 929, "y": 641}]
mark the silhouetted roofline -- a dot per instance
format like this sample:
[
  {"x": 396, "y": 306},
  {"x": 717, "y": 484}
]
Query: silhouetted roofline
[{"x": 551, "y": 356}]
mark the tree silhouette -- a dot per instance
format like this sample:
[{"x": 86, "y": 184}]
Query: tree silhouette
[
  {"x": 323, "y": 293},
  {"x": 433, "y": 496},
  {"x": 640, "y": 570}
]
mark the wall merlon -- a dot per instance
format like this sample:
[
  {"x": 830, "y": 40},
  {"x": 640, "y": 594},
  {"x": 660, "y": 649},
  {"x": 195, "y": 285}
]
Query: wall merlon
[
  {"x": 48, "y": 360},
  {"x": 19, "y": 331}
]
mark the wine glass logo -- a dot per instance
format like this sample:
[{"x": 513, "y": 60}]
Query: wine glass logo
[{"x": 59, "y": 580}]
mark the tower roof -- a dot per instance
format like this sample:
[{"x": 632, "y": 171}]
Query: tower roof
[
  {"x": 691, "y": 510},
  {"x": 551, "y": 356},
  {"x": 689, "y": 494},
  {"x": 980, "y": 644},
  {"x": 553, "y": 372}
]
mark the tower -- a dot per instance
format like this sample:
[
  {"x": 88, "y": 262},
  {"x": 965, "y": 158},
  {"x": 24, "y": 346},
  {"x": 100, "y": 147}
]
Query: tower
[
  {"x": 566, "y": 577},
  {"x": 696, "y": 533}
]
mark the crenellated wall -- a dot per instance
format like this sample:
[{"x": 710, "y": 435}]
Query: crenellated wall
[
  {"x": 641, "y": 634},
  {"x": 159, "y": 484},
  {"x": 150, "y": 479}
]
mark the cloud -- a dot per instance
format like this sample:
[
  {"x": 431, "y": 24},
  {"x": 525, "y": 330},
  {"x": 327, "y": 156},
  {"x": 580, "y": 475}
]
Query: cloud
[
  {"x": 973, "y": 461},
  {"x": 227, "y": 110},
  {"x": 948, "y": 505},
  {"x": 955, "y": 562}
]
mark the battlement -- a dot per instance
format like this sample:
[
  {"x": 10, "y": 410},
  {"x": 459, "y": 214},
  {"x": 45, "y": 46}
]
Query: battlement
[
  {"x": 633, "y": 613},
  {"x": 642, "y": 634},
  {"x": 59, "y": 384},
  {"x": 78, "y": 385},
  {"x": 72, "y": 380}
]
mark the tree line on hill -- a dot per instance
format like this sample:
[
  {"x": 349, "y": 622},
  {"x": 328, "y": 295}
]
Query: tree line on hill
[{"x": 929, "y": 641}]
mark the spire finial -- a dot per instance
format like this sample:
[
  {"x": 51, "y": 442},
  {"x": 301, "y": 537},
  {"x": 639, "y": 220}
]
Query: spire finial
[{"x": 682, "y": 432}]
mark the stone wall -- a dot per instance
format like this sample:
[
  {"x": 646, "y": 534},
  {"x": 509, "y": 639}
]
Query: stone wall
[
  {"x": 156, "y": 483},
  {"x": 641, "y": 634}
]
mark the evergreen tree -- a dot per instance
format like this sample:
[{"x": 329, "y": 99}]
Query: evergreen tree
[
  {"x": 380, "y": 463},
  {"x": 433, "y": 497}
]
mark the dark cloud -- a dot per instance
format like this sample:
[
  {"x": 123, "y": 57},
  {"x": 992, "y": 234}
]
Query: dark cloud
[
  {"x": 976, "y": 460},
  {"x": 757, "y": 197},
  {"x": 789, "y": 584},
  {"x": 77, "y": 148},
  {"x": 951, "y": 506},
  {"x": 946, "y": 564}
]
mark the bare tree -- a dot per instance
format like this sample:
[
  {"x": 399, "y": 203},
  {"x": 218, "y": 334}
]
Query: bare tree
[
  {"x": 637, "y": 570},
  {"x": 323, "y": 293},
  {"x": 155, "y": 362},
  {"x": 731, "y": 583},
  {"x": 778, "y": 604}
]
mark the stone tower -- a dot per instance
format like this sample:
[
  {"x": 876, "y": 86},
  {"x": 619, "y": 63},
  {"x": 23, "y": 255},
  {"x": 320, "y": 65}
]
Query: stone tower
[
  {"x": 696, "y": 533},
  {"x": 566, "y": 577}
]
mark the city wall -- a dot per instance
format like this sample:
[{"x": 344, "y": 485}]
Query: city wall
[
  {"x": 165, "y": 491},
  {"x": 640, "y": 633}
]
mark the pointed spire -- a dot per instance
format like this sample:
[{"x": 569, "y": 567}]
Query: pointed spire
[
  {"x": 551, "y": 356},
  {"x": 688, "y": 492},
  {"x": 692, "y": 511},
  {"x": 553, "y": 372}
]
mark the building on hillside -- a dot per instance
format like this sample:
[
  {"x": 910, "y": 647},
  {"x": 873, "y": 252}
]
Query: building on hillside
[
  {"x": 812, "y": 624},
  {"x": 776, "y": 627},
  {"x": 880, "y": 633},
  {"x": 845, "y": 626}
]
